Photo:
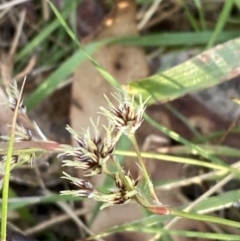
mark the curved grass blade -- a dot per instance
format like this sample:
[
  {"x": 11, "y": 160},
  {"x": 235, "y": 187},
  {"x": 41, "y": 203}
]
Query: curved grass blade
[
  {"x": 66, "y": 68},
  {"x": 189, "y": 234},
  {"x": 43, "y": 34},
  {"x": 182, "y": 39},
  {"x": 16, "y": 203},
  {"x": 210, "y": 68}
]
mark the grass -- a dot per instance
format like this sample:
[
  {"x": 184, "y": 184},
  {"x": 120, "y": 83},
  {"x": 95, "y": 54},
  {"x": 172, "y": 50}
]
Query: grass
[{"x": 185, "y": 78}]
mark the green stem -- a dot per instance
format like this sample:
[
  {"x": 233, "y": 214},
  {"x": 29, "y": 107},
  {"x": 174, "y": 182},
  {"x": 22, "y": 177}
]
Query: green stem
[
  {"x": 205, "y": 218},
  {"x": 6, "y": 189},
  {"x": 107, "y": 172},
  {"x": 143, "y": 167},
  {"x": 8, "y": 170}
]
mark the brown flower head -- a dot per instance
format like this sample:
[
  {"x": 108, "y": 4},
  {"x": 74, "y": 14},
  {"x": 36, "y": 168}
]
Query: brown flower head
[
  {"x": 119, "y": 196},
  {"x": 127, "y": 117},
  {"x": 125, "y": 181},
  {"x": 86, "y": 189},
  {"x": 91, "y": 152}
]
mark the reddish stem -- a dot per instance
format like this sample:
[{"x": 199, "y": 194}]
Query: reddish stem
[
  {"x": 161, "y": 210},
  {"x": 45, "y": 145}
]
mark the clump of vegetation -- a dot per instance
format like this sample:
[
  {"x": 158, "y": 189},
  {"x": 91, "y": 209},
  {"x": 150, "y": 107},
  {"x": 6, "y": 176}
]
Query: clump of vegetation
[
  {"x": 41, "y": 41},
  {"x": 93, "y": 155}
]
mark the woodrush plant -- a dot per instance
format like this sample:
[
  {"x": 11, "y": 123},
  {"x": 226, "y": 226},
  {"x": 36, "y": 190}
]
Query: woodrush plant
[{"x": 94, "y": 154}]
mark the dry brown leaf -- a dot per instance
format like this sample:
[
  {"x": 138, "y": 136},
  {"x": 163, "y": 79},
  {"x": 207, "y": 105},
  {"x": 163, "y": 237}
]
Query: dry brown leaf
[{"x": 124, "y": 63}]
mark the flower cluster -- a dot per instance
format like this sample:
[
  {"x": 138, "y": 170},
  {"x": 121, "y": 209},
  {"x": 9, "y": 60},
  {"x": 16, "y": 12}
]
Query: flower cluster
[
  {"x": 92, "y": 152},
  {"x": 127, "y": 117},
  {"x": 126, "y": 189},
  {"x": 86, "y": 189}
]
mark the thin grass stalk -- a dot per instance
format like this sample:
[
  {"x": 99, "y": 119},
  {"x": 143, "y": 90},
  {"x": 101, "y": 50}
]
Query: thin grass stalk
[
  {"x": 7, "y": 171},
  {"x": 143, "y": 167}
]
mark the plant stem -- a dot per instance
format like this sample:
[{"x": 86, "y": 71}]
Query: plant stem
[
  {"x": 5, "y": 190},
  {"x": 143, "y": 167},
  {"x": 107, "y": 172},
  {"x": 7, "y": 172}
]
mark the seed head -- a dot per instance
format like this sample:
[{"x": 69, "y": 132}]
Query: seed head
[
  {"x": 127, "y": 117},
  {"x": 126, "y": 189},
  {"x": 119, "y": 197},
  {"x": 116, "y": 197},
  {"x": 86, "y": 189},
  {"x": 91, "y": 152},
  {"x": 125, "y": 181}
]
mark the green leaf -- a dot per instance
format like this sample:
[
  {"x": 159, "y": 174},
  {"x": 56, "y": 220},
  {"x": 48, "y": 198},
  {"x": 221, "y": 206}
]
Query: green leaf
[
  {"x": 186, "y": 39},
  {"x": 43, "y": 34},
  {"x": 218, "y": 150},
  {"x": 16, "y": 203},
  {"x": 23, "y": 211},
  {"x": 66, "y": 68},
  {"x": 221, "y": 21},
  {"x": 205, "y": 70}
]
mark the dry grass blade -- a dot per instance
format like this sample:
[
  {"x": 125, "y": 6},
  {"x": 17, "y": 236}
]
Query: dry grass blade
[
  {"x": 7, "y": 60},
  {"x": 53, "y": 221},
  {"x": 149, "y": 14},
  {"x": 12, "y": 4}
]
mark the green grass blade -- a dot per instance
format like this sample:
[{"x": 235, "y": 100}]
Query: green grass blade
[
  {"x": 184, "y": 120},
  {"x": 66, "y": 69},
  {"x": 43, "y": 34},
  {"x": 198, "y": 4},
  {"x": 219, "y": 202},
  {"x": 182, "y": 39},
  {"x": 176, "y": 159},
  {"x": 221, "y": 21},
  {"x": 100, "y": 69},
  {"x": 218, "y": 150},
  {"x": 190, "y": 17},
  {"x": 205, "y": 218},
  {"x": 205, "y": 70},
  {"x": 24, "y": 212},
  {"x": 184, "y": 141},
  {"x": 7, "y": 170},
  {"x": 237, "y": 3},
  {"x": 16, "y": 203}
]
